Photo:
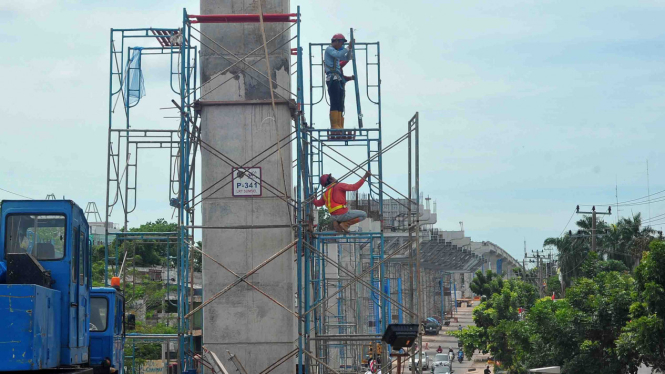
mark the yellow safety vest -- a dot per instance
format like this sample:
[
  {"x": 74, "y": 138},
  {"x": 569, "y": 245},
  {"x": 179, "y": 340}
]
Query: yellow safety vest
[{"x": 328, "y": 199}]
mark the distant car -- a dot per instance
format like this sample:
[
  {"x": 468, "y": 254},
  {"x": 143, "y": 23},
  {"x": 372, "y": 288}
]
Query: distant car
[
  {"x": 434, "y": 320},
  {"x": 441, "y": 359},
  {"x": 432, "y": 328},
  {"x": 427, "y": 361},
  {"x": 442, "y": 369},
  {"x": 438, "y": 319}
]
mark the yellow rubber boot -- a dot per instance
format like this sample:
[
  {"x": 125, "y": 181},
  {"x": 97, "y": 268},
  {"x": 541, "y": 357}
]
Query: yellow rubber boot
[
  {"x": 332, "y": 120},
  {"x": 335, "y": 124},
  {"x": 336, "y": 119}
]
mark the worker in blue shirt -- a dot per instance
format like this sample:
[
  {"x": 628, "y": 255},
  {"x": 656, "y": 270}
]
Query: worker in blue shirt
[{"x": 335, "y": 58}]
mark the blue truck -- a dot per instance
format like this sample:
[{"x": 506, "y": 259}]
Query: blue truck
[{"x": 51, "y": 318}]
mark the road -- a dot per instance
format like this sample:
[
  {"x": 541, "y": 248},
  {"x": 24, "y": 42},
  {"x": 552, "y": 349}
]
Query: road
[{"x": 432, "y": 342}]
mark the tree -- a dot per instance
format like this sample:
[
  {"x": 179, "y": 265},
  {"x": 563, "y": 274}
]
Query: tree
[
  {"x": 152, "y": 252},
  {"x": 197, "y": 257},
  {"x": 145, "y": 351},
  {"x": 497, "y": 328},
  {"x": 324, "y": 219},
  {"x": 572, "y": 251},
  {"x": 578, "y": 333},
  {"x": 643, "y": 338},
  {"x": 554, "y": 286},
  {"x": 624, "y": 242},
  {"x": 632, "y": 240},
  {"x": 550, "y": 327},
  {"x": 486, "y": 284},
  {"x": 603, "y": 306}
]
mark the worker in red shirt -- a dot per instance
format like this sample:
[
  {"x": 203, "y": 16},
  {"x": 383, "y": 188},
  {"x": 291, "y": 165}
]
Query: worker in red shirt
[{"x": 334, "y": 198}]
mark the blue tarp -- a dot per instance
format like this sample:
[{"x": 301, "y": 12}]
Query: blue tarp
[{"x": 134, "y": 87}]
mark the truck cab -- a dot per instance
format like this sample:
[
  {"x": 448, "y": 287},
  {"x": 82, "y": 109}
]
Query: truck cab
[
  {"x": 45, "y": 286},
  {"x": 107, "y": 321}
]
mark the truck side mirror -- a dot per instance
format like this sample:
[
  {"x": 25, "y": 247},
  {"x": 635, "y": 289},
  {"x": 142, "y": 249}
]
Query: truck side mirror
[{"x": 131, "y": 322}]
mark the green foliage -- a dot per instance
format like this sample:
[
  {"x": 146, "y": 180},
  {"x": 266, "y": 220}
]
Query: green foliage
[
  {"x": 98, "y": 273},
  {"x": 151, "y": 252},
  {"x": 325, "y": 223},
  {"x": 609, "y": 322},
  {"x": 593, "y": 265},
  {"x": 143, "y": 292},
  {"x": 577, "y": 333},
  {"x": 497, "y": 320},
  {"x": 643, "y": 338},
  {"x": 197, "y": 257},
  {"x": 613, "y": 265},
  {"x": 552, "y": 333},
  {"x": 486, "y": 284},
  {"x": 603, "y": 305},
  {"x": 146, "y": 351},
  {"x": 553, "y": 286},
  {"x": 621, "y": 243}
]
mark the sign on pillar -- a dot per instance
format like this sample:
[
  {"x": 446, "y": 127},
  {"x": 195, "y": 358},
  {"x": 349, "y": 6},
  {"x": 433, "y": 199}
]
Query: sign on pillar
[{"x": 246, "y": 182}]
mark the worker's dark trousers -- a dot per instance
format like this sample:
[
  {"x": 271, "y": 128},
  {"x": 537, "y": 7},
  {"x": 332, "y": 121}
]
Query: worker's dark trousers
[{"x": 336, "y": 94}]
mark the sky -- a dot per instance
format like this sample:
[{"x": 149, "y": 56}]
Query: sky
[{"x": 527, "y": 108}]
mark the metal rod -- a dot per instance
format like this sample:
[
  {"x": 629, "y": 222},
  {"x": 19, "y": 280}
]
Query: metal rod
[
  {"x": 352, "y": 277},
  {"x": 237, "y": 62},
  {"x": 238, "y": 281},
  {"x": 244, "y": 280},
  {"x": 279, "y": 362},
  {"x": 238, "y": 58},
  {"x": 355, "y": 80},
  {"x": 321, "y": 362},
  {"x": 418, "y": 279},
  {"x": 240, "y": 227},
  {"x": 367, "y": 271}
]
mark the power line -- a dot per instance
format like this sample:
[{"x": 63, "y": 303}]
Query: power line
[
  {"x": 629, "y": 201},
  {"x": 643, "y": 202},
  {"x": 654, "y": 218},
  {"x": 14, "y": 193},
  {"x": 569, "y": 219}
]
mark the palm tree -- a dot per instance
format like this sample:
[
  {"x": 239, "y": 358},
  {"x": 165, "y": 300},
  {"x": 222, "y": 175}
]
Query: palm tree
[
  {"x": 625, "y": 242},
  {"x": 574, "y": 247},
  {"x": 572, "y": 252},
  {"x": 633, "y": 240}
]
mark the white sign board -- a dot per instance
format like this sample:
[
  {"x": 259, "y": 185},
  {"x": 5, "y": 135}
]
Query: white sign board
[
  {"x": 247, "y": 182},
  {"x": 153, "y": 367}
]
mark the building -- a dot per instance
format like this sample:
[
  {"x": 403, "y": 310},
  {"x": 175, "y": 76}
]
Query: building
[{"x": 97, "y": 231}]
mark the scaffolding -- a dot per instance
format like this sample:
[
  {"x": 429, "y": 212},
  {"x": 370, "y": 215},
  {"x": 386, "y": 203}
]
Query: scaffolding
[
  {"x": 127, "y": 48},
  {"x": 349, "y": 286}
]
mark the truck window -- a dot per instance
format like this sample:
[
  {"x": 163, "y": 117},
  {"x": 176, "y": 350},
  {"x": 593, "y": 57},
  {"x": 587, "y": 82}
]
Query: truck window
[
  {"x": 99, "y": 313},
  {"x": 43, "y": 236},
  {"x": 118, "y": 316},
  {"x": 82, "y": 255},
  {"x": 75, "y": 252},
  {"x": 88, "y": 259}
]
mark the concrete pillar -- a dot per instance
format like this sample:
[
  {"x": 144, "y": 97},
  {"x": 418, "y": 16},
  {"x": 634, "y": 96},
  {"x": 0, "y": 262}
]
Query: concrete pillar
[{"x": 243, "y": 321}]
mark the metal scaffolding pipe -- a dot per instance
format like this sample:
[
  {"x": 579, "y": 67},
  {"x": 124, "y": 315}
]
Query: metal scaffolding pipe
[{"x": 240, "y": 18}]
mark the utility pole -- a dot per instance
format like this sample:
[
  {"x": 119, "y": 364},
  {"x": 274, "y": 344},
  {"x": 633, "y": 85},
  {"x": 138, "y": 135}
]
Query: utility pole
[
  {"x": 532, "y": 259},
  {"x": 541, "y": 260},
  {"x": 593, "y": 222},
  {"x": 524, "y": 262}
]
